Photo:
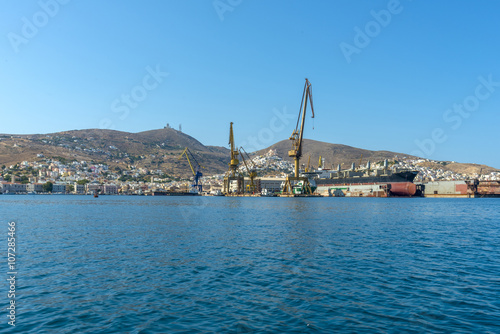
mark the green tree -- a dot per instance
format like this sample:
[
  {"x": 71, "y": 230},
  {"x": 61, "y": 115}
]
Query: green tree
[
  {"x": 47, "y": 187},
  {"x": 70, "y": 188},
  {"x": 84, "y": 181},
  {"x": 124, "y": 178}
]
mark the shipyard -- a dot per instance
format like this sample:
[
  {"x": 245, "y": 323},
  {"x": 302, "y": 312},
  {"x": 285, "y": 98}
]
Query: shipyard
[
  {"x": 358, "y": 181},
  {"x": 404, "y": 176}
]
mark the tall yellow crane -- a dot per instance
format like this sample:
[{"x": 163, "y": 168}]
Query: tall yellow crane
[
  {"x": 233, "y": 166},
  {"x": 298, "y": 133},
  {"x": 196, "y": 173},
  {"x": 320, "y": 162},
  {"x": 296, "y": 151},
  {"x": 252, "y": 173}
]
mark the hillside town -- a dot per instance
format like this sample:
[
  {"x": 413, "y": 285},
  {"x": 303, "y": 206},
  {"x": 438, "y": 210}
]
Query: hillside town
[{"x": 58, "y": 176}]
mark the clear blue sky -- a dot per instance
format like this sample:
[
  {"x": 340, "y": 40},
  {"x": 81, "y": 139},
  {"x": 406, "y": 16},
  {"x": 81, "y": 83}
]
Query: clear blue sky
[{"x": 385, "y": 74}]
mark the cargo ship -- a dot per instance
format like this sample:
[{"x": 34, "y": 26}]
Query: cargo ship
[
  {"x": 192, "y": 192},
  {"x": 383, "y": 182}
]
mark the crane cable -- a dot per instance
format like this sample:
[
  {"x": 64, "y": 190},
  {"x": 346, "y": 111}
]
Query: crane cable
[
  {"x": 197, "y": 163},
  {"x": 306, "y": 87},
  {"x": 300, "y": 109},
  {"x": 312, "y": 104}
]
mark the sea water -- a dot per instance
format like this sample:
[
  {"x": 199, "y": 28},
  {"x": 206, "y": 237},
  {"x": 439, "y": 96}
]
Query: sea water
[{"x": 135, "y": 264}]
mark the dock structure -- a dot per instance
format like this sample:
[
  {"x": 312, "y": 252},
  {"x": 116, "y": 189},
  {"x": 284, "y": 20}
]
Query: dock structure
[{"x": 232, "y": 175}]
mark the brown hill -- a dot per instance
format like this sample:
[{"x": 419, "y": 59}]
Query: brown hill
[
  {"x": 154, "y": 149},
  {"x": 333, "y": 154},
  {"x": 457, "y": 167},
  {"x": 160, "y": 149}
]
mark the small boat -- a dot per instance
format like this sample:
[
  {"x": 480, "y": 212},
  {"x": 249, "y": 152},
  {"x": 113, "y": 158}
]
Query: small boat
[
  {"x": 96, "y": 194},
  {"x": 267, "y": 193}
]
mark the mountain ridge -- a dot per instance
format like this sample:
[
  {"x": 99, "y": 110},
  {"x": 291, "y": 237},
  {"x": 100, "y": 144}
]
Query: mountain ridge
[
  {"x": 345, "y": 155},
  {"x": 160, "y": 149},
  {"x": 333, "y": 154},
  {"x": 152, "y": 149}
]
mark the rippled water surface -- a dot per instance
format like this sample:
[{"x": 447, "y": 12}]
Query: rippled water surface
[{"x": 271, "y": 265}]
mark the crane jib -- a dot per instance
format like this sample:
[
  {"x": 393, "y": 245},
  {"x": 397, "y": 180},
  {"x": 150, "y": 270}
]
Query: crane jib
[{"x": 298, "y": 133}]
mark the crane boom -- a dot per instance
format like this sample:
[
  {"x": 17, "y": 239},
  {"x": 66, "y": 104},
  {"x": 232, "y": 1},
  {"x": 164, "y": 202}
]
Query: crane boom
[
  {"x": 189, "y": 161},
  {"x": 242, "y": 151},
  {"x": 298, "y": 133},
  {"x": 251, "y": 171},
  {"x": 244, "y": 160},
  {"x": 234, "y": 152},
  {"x": 232, "y": 174},
  {"x": 197, "y": 174}
]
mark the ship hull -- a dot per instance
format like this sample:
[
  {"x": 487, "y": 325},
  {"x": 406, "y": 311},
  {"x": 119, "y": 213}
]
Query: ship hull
[
  {"x": 394, "y": 185},
  {"x": 174, "y": 193}
]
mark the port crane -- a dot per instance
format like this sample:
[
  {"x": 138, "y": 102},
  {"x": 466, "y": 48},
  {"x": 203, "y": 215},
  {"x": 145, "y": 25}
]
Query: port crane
[
  {"x": 308, "y": 164},
  {"x": 232, "y": 174},
  {"x": 233, "y": 164},
  {"x": 252, "y": 173},
  {"x": 360, "y": 160},
  {"x": 296, "y": 138},
  {"x": 196, "y": 171}
]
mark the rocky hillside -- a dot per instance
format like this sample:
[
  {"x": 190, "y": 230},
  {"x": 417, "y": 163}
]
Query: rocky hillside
[
  {"x": 333, "y": 154},
  {"x": 344, "y": 155},
  {"x": 457, "y": 167},
  {"x": 155, "y": 149},
  {"x": 160, "y": 149}
]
